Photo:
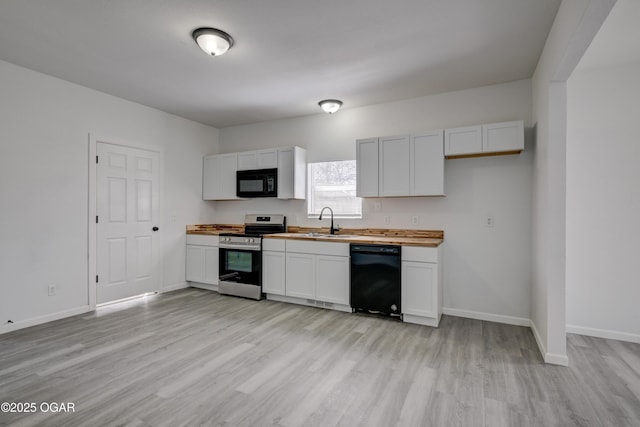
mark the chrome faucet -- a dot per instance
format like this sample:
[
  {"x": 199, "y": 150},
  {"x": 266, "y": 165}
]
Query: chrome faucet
[{"x": 331, "y": 229}]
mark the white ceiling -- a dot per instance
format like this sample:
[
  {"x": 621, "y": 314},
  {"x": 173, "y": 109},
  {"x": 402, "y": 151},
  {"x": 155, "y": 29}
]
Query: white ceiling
[
  {"x": 289, "y": 54},
  {"x": 618, "y": 40}
]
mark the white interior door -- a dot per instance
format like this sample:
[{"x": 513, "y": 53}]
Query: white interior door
[{"x": 128, "y": 216}]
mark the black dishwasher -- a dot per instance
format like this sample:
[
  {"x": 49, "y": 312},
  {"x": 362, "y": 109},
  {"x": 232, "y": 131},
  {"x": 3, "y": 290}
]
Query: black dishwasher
[{"x": 375, "y": 279}]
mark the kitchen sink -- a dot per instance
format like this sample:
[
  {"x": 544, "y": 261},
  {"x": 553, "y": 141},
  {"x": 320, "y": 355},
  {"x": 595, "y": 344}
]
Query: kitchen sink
[{"x": 331, "y": 236}]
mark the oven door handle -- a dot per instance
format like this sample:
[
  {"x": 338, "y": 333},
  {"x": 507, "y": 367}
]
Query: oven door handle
[{"x": 233, "y": 275}]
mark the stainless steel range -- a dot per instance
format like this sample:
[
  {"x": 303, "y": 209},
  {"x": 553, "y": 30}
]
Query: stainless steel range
[{"x": 241, "y": 255}]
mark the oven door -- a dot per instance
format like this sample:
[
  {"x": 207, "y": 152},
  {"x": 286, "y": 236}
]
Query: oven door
[{"x": 241, "y": 266}]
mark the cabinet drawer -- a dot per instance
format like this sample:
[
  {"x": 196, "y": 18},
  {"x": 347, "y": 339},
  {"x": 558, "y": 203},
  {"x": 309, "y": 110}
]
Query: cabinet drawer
[
  {"x": 277, "y": 245},
  {"x": 196, "y": 239},
  {"x": 419, "y": 254},
  {"x": 318, "y": 248}
]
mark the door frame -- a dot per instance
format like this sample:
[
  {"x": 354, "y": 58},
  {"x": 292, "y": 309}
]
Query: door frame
[{"x": 92, "y": 235}]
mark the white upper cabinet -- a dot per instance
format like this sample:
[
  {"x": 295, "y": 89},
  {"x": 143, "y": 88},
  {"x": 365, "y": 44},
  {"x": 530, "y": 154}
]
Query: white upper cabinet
[
  {"x": 260, "y": 159},
  {"x": 427, "y": 164},
  {"x": 219, "y": 172},
  {"x": 466, "y": 140},
  {"x": 219, "y": 177},
  {"x": 502, "y": 137},
  {"x": 367, "y": 167},
  {"x": 394, "y": 173},
  {"x": 484, "y": 140},
  {"x": 292, "y": 173},
  {"x": 399, "y": 166}
]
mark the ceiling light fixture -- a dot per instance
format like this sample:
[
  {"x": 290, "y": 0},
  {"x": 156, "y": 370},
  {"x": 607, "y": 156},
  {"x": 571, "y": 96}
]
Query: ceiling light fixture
[
  {"x": 212, "y": 41},
  {"x": 330, "y": 105}
]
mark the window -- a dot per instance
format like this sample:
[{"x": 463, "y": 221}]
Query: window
[{"x": 333, "y": 184}]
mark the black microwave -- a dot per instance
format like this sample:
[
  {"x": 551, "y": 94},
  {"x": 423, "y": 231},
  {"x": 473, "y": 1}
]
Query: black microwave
[{"x": 257, "y": 183}]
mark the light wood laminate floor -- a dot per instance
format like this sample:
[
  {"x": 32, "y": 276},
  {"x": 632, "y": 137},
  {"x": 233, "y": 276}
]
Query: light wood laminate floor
[{"x": 193, "y": 357}]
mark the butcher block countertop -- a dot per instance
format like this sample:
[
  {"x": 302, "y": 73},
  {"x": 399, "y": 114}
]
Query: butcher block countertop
[
  {"x": 214, "y": 229},
  {"x": 381, "y": 236}
]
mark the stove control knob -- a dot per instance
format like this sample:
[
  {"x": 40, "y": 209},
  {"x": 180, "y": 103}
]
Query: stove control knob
[{"x": 251, "y": 240}]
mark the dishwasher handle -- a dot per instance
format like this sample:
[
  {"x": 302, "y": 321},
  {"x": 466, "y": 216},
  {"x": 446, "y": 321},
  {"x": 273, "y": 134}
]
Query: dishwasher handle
[{"x": 391, "y": 250}]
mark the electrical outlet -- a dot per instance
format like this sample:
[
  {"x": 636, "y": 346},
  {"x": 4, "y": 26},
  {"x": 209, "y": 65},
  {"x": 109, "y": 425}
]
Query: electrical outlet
[
  {"x": 488, "y": 222},
  {"x": 415, "y": 220},
  {"x": 377, "y": 207},
  {"x": 387, "y": 220},
  {"x": 52, "y": 290}
]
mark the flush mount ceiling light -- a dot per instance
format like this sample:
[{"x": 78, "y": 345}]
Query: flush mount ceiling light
[
  {"x": 330, "y": 105},
  {"x": 212, "y": 41}
]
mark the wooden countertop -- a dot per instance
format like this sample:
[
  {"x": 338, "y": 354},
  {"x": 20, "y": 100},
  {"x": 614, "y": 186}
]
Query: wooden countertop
[
  {"x": 355, "y": 238},
  {"x": 381, "y": 236},
  {"x": 214, "y": 229}
]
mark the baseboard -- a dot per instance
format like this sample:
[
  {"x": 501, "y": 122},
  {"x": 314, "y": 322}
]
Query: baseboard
[
  {"x": 489, "y": 317},
  {"x": 603, "y": 333},
  {"x": 550, "y": 358},
  {"x": 175, "y": 287},
  {"x": 21, "y": 324}
]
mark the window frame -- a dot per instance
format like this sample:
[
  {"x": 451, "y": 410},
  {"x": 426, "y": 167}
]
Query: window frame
[{"x": 310, "y": 199}]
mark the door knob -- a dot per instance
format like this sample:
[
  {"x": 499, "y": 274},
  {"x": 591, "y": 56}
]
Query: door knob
[{"x": 155, "y": 229}]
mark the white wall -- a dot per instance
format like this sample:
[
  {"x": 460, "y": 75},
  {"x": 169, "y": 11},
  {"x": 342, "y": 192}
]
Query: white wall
[
  {"x": 575, "y": 25},
  {"x": 487, "y": 270},
  {"x": 603, "y": 203},
  {"x": 44, "y": 128}
]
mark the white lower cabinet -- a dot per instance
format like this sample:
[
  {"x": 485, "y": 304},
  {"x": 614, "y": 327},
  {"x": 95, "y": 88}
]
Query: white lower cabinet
[
  {"x": 318, "y": 271},
  {"x": 332, "y": 279},
  {"x": 421, "y": 285},
  {"x": 202, "y": 259},
  {"x": 273, "y": 267},
  {"x": 300, "y": 275},
  {"x": 273, "y": 272}
]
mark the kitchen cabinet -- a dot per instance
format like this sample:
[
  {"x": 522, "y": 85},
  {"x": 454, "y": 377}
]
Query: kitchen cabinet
[
  {"x": 503, "y": 137},
  {"x": 292, "y": 173},
  {"x": 202, "y": 260},
  {"x": 273, "y": 266},
  {"x": 485, "y": 140},
  {"x": 318, "y": 271},
  {"x": 332, "y": 279},
  {"x": 219, "y": 177},
  {"x": 219, "y": 172},
  {"x": 367, "y": 161},
  {"x": 260, "y": 159},
  {"x": 401, "y": 166},
  {"x": 421, "y": 285},
  {"x": 427, "y": 164},
  {"x": 464, "y": 140},
  {"x": 394, "y": 171}
]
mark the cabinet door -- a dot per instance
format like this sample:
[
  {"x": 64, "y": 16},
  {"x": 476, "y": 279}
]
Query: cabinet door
[
  {"x": 465, "y": 140},
  {"x": 211, "y": 178},
  {"x": 300, "y": 275},
  {"x": 273, "y": 272},
  {"x": 420, "y": 289},
  {"x": 211, "y": 261},
  {"x": 394, "y": 179},
  {"x": 195, "y": 263},
  {"x": 286, "y": 173},
  {"x": 367, "y": 167},
  {"x": 247, "y": 161},
  {"x": 332, "y": 279},
  {"x": 292, "y": 173},
  {"x": 507, "y": 136},
  {"x": 219, "y": 177},
  {"x": 267, "y": 159},
  {"x": 229, "y": 166},
  {"x": 427, "y": 164}
]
